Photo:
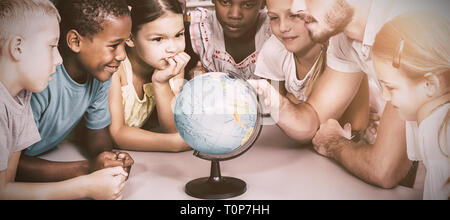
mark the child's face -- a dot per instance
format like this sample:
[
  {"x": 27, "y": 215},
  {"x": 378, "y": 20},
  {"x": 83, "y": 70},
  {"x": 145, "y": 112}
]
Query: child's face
[
  {"x": 237, "y": 17},
  {"x": 324, "y": 18},
  {"x": 41, "y": 55},
  {"x": 160, "y": 39},
  {"x": 405, "y": 94},
  {"x": 102, "y": 54},
  {"x": 288, "y": 27}
]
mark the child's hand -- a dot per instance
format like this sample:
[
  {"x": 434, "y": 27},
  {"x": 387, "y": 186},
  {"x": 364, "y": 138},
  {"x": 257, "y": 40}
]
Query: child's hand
[
  {"x": 271, "y": 99},
  {"x": 126, "y": 160},
  {"x": 104, "y": 160},
  {"x": 372, "y": 130},
  {"x": 106, "y": 184},
  {"x": 176, "y": 66}
]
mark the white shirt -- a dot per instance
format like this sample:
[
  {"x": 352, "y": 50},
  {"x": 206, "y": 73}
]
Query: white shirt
[
  {"x": 423, "y": 145},
  {"x": 277, "y": 63}
]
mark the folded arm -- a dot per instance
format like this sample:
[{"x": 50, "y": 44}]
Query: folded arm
[{"x": 131, "y": 138}]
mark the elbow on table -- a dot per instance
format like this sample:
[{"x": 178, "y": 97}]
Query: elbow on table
[
  {"x": 386, "y": 180},
  {"x": 179, "y": 146},
  {"x": 305, "y": 132},
  {"x": 389, "y": 177}
]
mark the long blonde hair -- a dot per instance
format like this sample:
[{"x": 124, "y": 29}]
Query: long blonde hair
[{"x": 418, "y": 44}]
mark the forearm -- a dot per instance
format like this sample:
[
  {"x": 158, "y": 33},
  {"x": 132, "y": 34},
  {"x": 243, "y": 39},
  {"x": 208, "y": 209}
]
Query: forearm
[
  {"x": 136, "y": 139},
  {"x": 164, "y": 97},
  {"x": 97, "y": 142},
  {"x": 368, "y": 162},
  {"x": 298, "y": 121},
  {"x": 69, "y": 189},
  {"x": 33, "y": 169}
]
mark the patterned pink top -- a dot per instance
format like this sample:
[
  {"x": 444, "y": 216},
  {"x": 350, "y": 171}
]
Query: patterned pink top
[{"x": 208, "y": 42}]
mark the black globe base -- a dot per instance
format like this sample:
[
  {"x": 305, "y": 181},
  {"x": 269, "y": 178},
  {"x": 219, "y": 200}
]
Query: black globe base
[{"x": 216, "y": 186}]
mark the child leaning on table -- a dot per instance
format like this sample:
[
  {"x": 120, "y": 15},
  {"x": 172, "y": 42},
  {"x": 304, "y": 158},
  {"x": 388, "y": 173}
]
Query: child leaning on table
[
  {"x": 141, "y": 90},
  {"x": 28, "y": 58},
  {"x": 412, "y": 60}
]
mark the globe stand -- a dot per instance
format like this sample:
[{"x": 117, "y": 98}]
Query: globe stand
[{"x": 216, "y": 186}]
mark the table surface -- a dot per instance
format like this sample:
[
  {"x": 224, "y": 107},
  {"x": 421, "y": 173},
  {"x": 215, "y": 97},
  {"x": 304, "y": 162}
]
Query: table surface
[{"x": 275, "y": 168}]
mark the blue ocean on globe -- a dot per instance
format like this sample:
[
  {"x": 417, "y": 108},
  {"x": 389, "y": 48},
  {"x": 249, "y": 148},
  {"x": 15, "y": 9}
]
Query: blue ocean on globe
[{"x": 215, "y": 113}]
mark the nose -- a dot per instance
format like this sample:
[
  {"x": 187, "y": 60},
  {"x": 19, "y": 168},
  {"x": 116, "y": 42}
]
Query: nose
[
  {"x": 121, "y": 54},
  {"x": 284, "y": 26},
  {"x": 58, "y": 58},
  {"x": 171, "y": 47},
  {"x": 235, "y": 12}
]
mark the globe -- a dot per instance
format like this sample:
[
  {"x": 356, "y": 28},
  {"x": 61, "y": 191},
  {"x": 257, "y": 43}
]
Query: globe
[{"x": 218, "y": 115}]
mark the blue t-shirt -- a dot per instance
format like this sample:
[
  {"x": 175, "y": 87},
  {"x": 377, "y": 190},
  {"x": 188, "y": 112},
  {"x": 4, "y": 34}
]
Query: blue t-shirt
[{"x": 59, "y": 108}]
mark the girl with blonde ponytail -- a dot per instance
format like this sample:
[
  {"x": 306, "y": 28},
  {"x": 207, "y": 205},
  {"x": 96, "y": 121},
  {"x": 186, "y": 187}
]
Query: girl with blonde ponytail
[{"x": 412, "y": 60}]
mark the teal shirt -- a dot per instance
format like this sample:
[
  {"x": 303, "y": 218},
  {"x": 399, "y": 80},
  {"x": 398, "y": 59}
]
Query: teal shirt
[{"x": 59, "y": 108}]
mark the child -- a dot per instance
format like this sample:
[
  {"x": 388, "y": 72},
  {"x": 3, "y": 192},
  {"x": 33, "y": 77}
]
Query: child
[
  {"x": 292, "y": 58},
  {"x": 28, "y": 58},
  {"x": 230, "y": 38},
  {"x": 92, "y": 48},
  {"x": 141, "y": 86},
  {"x": 412, "y": 61}
]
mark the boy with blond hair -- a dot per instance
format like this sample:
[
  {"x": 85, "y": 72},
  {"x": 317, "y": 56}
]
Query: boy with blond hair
[{"x": 28, "y": 58}]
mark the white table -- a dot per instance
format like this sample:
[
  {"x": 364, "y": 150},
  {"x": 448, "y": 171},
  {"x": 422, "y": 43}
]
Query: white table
[{"x": 275, "y": 168}]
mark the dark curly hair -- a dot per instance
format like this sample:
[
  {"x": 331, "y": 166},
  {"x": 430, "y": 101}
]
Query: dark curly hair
[{"x": 87, "y": 16}]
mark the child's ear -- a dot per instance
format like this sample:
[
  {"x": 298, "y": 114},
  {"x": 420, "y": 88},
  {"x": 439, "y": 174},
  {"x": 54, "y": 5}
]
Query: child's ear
[
  {"x": 432, "y": 84},
  {"x": 130, "y": 42},
  {"x": 16, "y": 48},
  {"x": 73, "y": 40}
]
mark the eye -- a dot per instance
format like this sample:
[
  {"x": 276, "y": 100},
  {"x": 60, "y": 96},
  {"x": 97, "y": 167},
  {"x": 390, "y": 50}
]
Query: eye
[
  {"x": 294, "y": 16},
  {"x": 389, "y": 88},
  {"x": 225, "y": 2},
  {"x": 114, "y": 46},
  {"x": 157, "y": 39},
  {"x": 179, "y": 35},
  {"x": 249, "y": 5},
  {"x": 273, "y": 18}
]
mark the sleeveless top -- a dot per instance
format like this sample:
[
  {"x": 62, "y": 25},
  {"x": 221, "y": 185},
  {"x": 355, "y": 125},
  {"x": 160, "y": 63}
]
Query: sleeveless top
[{"x": 136, "y": 111}]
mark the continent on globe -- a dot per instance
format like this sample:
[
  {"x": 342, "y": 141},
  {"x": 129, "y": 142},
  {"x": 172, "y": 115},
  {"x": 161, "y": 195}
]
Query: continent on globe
[{"x": 216, "y": 113}]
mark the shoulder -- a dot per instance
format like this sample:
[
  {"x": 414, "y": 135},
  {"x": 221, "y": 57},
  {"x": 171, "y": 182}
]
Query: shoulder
[
  {"x": 340, "y": 45},
  {"x": 271, "y": 60},
  {"x": 273, "y": 47}
]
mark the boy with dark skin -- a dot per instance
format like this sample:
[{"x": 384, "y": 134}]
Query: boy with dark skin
[
  {"x": 93, "y": 35},
  {"x": 244, "y": 29}
]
